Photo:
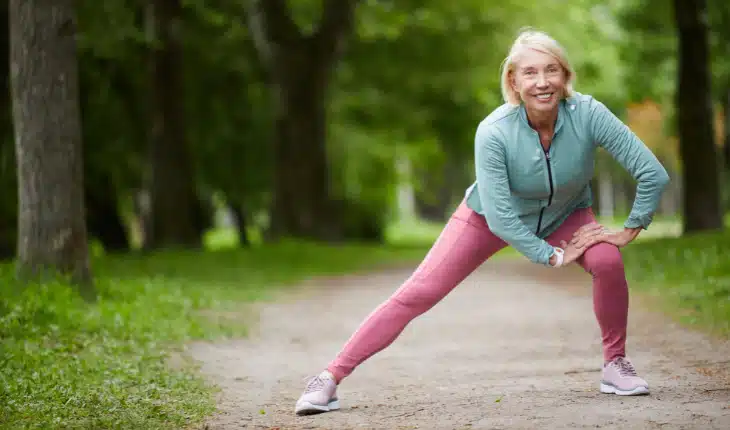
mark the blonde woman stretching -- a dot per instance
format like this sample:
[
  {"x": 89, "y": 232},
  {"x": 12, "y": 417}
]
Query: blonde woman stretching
[{"x": 534, "y": 159}]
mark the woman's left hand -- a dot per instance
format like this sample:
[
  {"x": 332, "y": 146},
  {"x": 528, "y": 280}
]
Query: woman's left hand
[{"x": 596, "y": 232}]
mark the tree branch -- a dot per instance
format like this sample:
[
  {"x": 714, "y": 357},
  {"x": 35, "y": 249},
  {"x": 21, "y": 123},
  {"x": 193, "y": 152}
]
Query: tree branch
[{"x": 338, "y": 17}]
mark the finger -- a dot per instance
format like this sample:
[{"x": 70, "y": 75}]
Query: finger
[
  {"x": 581, "y": 230},
  {"x": 587, "y": 240},
  {"x": 588, "y": 229},
  {"x": 591, "y": 226}
]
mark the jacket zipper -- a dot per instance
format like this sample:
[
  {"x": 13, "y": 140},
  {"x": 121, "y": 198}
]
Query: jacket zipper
[{"x": 550, "y": 179}]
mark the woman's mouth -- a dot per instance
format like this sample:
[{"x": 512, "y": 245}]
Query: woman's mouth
[{"x": 544, "y": 96}]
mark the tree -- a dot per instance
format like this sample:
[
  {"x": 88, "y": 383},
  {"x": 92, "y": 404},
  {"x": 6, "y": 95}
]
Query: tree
[
  {"x": 300, "y": 67},
  {"x": 52, "y": 235},
  {"x": 701, "y": 185},
  {"x": 8, "y": 175},
  {"x": 719, "y": 18},
  {"x": 174, "y": 207}
]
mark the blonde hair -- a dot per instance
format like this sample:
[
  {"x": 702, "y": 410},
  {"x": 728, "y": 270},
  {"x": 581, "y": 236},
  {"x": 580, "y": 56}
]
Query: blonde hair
[{"x": 538, "y": 41}]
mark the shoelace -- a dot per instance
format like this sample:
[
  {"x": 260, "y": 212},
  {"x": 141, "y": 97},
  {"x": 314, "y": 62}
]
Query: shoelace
[
  {"x": 314, "y": 383},
  {"x": 625, "y": 368}
]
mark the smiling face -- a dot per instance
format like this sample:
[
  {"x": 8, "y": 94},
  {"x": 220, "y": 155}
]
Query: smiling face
[{"x": 540, "y": 80}]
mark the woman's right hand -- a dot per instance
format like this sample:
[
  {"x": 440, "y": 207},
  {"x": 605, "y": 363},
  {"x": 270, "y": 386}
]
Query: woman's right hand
[{"x": 572, "y": 252}]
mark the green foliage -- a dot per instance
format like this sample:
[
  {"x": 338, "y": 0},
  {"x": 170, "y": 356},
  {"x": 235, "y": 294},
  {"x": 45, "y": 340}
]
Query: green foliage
[
  {"x": 118, "y": 364},
  {"x": 648, "y": 48},
  {"x": 689, "y": 277}
]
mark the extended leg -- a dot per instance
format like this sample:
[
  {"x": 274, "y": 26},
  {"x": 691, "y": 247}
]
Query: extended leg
[{"x": 464, "y": 244}]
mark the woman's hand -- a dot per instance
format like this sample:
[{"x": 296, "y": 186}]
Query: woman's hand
[
  {"x": 590, "y": 234},
  {"x": 572, "y": 252}
]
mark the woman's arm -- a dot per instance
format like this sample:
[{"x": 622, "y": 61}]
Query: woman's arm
[
  {"x": 493, "y": 186},
  {"x": 613, "y": 135}
]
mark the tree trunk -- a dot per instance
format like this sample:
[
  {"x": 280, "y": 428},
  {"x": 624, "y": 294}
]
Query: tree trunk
[
  {"x": 173, "y": 197},
  {"x": 726, "y": 122},
  {"x": 702, "y": 202},
  {"x": 239, "y": 216},
  {"x": 103, "y": 218},
  {"x": 301, "y": 179},
  {"x": 300, "y": 68},
  {"x": 8, "y": 182},
  {"x": 52, "y": 235}
]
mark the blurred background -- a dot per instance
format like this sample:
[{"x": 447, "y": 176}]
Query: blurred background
[
  {"x": 230, "y": 146},
  {"x": 226, "y": 132}
]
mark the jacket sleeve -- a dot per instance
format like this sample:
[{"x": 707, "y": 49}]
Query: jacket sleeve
[
  {"x": 625, "y": 147},
  {"x": 494, "y": 192}
]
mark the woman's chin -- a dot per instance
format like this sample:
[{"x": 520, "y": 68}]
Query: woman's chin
[{"x": 544, "y": 106}]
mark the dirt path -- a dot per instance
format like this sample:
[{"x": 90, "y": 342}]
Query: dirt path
[{"x": 513, "y": 347}]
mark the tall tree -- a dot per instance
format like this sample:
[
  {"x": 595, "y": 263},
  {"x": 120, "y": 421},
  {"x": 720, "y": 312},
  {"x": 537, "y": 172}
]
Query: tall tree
[
  {"x": 701, "y": 185},
  {"x": 52, "y": 233},
  {"x": 300, "y": 70},
  {"x": 719, "y": 18},
  {"x": 173, "y": 198},
  {"x": 8, "y": 182}
]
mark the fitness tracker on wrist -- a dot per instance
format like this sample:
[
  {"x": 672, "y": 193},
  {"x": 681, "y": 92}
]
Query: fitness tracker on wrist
[{"x": 559, "y": 252}]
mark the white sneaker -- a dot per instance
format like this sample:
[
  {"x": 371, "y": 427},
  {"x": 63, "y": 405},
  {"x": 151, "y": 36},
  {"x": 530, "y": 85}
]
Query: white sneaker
[
  {"x": 619, "y": 377},
  {"x": 320, "y": 395}
]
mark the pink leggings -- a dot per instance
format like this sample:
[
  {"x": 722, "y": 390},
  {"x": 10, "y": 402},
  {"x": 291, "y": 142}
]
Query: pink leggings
[{"x": 465, "y": 243}]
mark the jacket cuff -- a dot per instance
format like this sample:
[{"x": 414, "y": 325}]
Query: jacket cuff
[{"x": 636, "y": 221}]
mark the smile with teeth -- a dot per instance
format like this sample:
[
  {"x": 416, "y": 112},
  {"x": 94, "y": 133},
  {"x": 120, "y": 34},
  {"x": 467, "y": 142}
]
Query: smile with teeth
[{"x": 544, "y": 96}]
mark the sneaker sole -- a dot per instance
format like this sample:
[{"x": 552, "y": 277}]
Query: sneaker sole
[
  {"x": 306, "y": 408},
  {"x": 611, "y": 389}
]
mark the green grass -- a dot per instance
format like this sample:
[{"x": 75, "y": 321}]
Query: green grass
[
  {"x": 64, "y": 364},
  {"x": 687, "y": 277}
]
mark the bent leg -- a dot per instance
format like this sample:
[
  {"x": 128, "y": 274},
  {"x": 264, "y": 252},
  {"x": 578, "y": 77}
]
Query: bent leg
[
  {"x": 610, "y": 296},
  {"x": 463, "y": 245},
  {"x": 610, "y": 288}
]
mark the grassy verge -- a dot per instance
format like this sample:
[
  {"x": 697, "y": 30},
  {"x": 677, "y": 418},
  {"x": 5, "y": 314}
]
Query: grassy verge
[
  {"x": 64, "y": 364},
  {"x": 687, "y": 277}
]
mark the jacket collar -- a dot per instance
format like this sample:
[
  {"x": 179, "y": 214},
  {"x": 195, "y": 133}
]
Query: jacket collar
[{"x": 563, "y": 106}]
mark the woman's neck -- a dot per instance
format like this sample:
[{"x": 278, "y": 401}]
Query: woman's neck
[{"x": 543, "y": 122}]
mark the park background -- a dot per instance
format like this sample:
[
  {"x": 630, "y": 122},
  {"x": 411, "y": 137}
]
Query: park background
[{"x": 165, "y": 162}]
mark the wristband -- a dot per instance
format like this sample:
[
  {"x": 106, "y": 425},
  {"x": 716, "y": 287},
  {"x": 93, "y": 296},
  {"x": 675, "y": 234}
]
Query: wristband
[{"x": 558, "y": 253}]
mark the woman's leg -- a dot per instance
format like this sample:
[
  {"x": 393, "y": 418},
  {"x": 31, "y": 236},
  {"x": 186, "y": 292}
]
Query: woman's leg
[
  {"x": 464, "y": 244},
  {"x": 610, "y": 304},
  {"x": 610, "y": 289}
]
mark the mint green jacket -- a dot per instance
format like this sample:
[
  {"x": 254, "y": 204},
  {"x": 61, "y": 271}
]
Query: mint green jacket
[{"x": 525, "y": 193}]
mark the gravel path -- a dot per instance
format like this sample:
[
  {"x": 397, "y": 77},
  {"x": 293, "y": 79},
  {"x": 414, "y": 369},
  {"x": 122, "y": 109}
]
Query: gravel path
[{"x": 516, "y": 346}]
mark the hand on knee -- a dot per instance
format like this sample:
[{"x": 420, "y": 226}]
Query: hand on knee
[{"x": 604, "y": 258}]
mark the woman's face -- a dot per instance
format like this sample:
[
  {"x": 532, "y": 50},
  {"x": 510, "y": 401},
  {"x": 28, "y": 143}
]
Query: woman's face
[{"x": 540, "y": 80}]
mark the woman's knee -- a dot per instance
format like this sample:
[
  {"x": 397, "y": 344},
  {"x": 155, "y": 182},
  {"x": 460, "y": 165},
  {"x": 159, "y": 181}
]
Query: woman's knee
[
  {"x": 604, "y": 259},
  {"x": 417, "y": 295}
]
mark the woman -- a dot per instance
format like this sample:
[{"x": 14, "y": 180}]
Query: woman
[{"x": 534, "y": 159}]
